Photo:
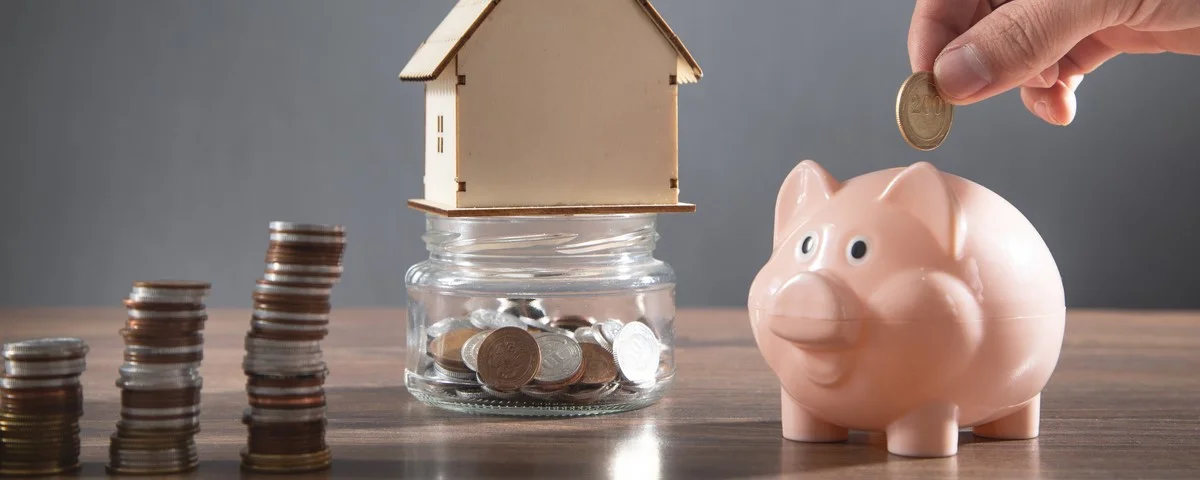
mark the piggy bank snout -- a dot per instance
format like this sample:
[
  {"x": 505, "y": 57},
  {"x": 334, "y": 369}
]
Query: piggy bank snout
[{"x": 814, "y": 309}]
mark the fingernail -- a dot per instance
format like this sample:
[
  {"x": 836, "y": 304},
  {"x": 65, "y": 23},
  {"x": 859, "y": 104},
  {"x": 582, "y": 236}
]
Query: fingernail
[
  {"x": 1043, "y": 111},
  {"x": 960, "y": 72}
]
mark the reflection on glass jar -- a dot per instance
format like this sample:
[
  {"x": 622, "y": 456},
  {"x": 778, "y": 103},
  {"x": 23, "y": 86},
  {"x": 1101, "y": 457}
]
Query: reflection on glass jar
[{"x": 560, "y": 315}]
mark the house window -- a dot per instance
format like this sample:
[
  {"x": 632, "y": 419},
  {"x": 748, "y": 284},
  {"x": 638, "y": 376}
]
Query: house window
[{"x": 441, "y": 128}]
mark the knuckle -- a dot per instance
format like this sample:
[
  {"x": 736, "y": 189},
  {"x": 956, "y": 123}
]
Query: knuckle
[
  {"x": 1141, "y": 13},
  {"x": 1021, "y": 34}
]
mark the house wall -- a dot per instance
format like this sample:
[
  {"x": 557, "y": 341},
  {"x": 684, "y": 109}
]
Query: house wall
[
  {"x": 567, "y": 102},
  {"x": 441, "y": 144}
]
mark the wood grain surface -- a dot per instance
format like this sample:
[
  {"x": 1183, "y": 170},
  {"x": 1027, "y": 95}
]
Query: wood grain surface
[{"x": 1124, "y": 403}]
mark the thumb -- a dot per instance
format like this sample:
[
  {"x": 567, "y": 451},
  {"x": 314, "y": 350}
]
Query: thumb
[{"x": 1014, "y": 43}]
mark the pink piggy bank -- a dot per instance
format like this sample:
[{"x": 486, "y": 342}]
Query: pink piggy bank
[{"x": 906, "y": 301}]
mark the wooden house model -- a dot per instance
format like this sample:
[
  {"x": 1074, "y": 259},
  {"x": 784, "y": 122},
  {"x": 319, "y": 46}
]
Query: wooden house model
[{"x": 551, "y": 107}]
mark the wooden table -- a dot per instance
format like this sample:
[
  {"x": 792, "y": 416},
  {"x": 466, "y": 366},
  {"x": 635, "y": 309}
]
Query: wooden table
[{"x": 1124, "y": 403}]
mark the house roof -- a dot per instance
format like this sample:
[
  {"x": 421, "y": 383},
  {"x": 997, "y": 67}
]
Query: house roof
[{"x": 456, "y": 29}]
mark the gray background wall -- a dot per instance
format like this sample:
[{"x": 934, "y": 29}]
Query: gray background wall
[{"x": 148, "y": 139}]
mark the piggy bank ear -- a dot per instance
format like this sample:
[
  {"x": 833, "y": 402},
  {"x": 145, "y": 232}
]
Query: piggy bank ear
[
  {"x": 807, "y": 185},
  {"x": 921, "y": 190}
]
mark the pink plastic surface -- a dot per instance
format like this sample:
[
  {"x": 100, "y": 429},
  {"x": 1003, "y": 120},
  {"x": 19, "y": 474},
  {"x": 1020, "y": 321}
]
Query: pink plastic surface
[{"x": 948, "y": 315}]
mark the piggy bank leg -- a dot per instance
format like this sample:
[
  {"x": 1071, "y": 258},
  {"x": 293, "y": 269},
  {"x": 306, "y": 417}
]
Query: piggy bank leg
[
  {"x": 930, "y": 431},
  {"x": 801, "y": 426},
  {"x": 1019, "y": 425}
]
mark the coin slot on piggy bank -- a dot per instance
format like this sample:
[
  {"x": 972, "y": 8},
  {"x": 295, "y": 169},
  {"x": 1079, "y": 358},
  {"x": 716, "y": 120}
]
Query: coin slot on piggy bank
[{"x": 906, "y": 301}]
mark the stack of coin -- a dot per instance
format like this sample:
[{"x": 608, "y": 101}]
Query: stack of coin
[
  {"x": 284, "y": 365},
  {"x": 41, "y": 401},
  {"x": 159, "y": 381},
  {"x": 499, "y": 355}
]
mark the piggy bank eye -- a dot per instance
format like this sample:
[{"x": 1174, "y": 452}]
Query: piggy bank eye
[
  {"x": 808, "y": 246},
  {"x": 856, "y": 251}
]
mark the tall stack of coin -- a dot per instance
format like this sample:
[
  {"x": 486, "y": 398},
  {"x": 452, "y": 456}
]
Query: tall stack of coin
[
  {"x": 159, "y": 381},
  {"x": 41, "y": 401},
  {"x": 284, "y": 365},
  {"x": 498, "y": 355}
]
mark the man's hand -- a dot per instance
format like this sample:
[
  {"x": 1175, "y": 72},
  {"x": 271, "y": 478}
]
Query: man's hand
[{"x": 981, "y": 48}]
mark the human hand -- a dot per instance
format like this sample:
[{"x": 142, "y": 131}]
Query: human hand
[{"x": 981, "y": 48}]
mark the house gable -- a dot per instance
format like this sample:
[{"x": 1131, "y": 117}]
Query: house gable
[{"x": 464, "y": 19}]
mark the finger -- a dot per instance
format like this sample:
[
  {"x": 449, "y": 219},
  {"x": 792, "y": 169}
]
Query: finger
[
  {"x": 1083, "y": 59},
  {"x": 1128, "y": 40},
  {"x": 1044, "y": 79},
  {"x": 1015, "y": 42},
  {"x": 1055, "y": 105},
  {"x": 936, "y": 23}
]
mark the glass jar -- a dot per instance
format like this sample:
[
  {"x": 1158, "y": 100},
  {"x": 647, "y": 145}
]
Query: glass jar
[{"x": 541, "y": 316}]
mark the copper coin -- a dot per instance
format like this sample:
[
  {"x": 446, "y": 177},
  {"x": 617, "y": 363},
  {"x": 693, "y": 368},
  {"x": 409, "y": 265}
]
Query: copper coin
[
  {"x": 317, "y": 303},
  {"x": 293, "y": 308},
  {"x": 306, "y": 401},
  {"x": 162, "y": 307},
  {"x": 289, "y": 335},
  {"x": 136, "y": 358},
  {"x": 134, "y": 337},
  {"x": 508, "y": 358},
  {"x": 151, "y": 326},
  {"x": 447, "y": 349},
  {"x": 572, "y": 322},
  {"x": 598, "y": 365},
  {"x": 290, "y": 382},
  {"x": 160, "y": 398}
]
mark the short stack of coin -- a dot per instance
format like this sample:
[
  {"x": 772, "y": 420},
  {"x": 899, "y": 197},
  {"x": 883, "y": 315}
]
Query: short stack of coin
[
  {"x": 284, "y": 365},
  {"x": 159, "y": 381},
  {"x": 498, "y": 355},
  {"x": 41, "y": 401}
]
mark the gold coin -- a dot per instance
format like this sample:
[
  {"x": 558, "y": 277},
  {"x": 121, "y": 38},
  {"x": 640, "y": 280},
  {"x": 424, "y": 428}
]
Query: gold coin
[{"x": 923, "y": 116}]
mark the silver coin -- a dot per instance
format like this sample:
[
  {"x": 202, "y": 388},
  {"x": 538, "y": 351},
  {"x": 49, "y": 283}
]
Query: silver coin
[
  {"x": 304, "y": 280},
  {"x": 52, "y": 368},
  {"x": 585, "y": 335},
  {"x": 609, "y": 330},
  {"x": 471, "y": 394},
  {"x": 261, "y": 368},
  {"x": 159, "y": 383},
  {"x": 177, "y": 293},
  {"x": 147, "y": 350},
  {"x": 295, "y": 268},
  {"x": 502, "y": 395},
  {"x": 309, "y": 239},
  {"x": 269, "y": 289},
  {"x": 9, "y": 383},
  {"x": 283, "y": 391},
  {"x": 45, "y": 348},
  {"x": 160, "y": 412},
  {"x": 145, "y": 370},
  {"x": 543, "y": 327},
  {"x": 540, "y": 394},
  {"x": 524, "y": 307},
  {"x": 470, "y": 349},
  {"x": 453, "y": 375},
  {"x": 290, "y": 327},
  {"x": 181, "y": 315},
  {"x": 590, "y": 395},
  {"x": 272, "y": 415},
  {"x": 636, "y": 352},
  {"x": 445, "y": 326},
  {"x": 561, "y": 357},
  {"x": 265, "y": 314},
  {"x": 493, "y": 320},
  {"x": 140, "y": 424},
  {"x": 269, "y": 344},
  {"x": 305, "y": 227}
]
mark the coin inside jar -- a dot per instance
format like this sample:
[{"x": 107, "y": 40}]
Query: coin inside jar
[
  {"x": 572, "y": 322},
  {"x": 562, "y": 358},
  {"x": 447, "y": 349},
  {"x": 598, "y": 365},
  {"x": 508, "y": 358}
]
